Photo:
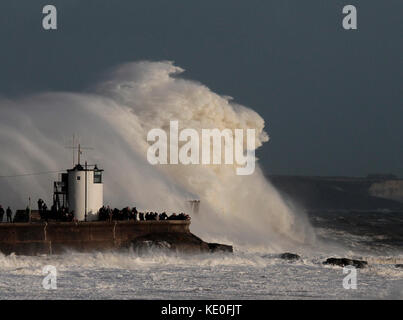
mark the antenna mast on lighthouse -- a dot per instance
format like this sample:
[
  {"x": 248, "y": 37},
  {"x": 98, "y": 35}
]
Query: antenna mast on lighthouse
[{"x": 79, "y": 149}]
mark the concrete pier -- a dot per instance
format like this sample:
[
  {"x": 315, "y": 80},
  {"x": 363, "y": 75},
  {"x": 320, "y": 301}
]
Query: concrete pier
[{"x": 56, "y": 237}]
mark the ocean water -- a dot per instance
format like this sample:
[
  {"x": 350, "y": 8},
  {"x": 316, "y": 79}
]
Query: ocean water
[{"x": 248, "y": 273}]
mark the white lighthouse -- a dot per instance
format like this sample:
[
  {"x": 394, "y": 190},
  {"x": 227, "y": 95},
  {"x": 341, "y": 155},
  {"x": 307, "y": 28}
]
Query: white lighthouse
[
  {"x": 80, "y": 190},
  {"x": 85, "y": 191}
]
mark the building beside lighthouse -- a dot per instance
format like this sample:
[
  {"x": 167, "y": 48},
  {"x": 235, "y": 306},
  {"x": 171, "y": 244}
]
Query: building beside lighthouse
[{"x": 80, "y": 191}]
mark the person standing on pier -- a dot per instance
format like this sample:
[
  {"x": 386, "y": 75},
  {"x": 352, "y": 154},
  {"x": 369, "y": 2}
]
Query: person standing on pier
[
  {"x": 1, "y": 213},
  {"x": 109, "y": 213},
  {"x": 134, "y": 213},
  {"x": 9, "y": 214},
  {"x": 40, "y": 204},
  {"x": 45, "y": 211}
]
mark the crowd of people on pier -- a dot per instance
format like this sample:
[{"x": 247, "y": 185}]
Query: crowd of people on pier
[
  {"x": 8, "y": 212},
  {"x": 108, "y": 214},
  {"x": 104, "y": 214},
  {"x": 61, "y": 214}
]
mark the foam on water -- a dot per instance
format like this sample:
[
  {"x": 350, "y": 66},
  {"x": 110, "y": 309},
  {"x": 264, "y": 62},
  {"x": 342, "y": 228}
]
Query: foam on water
[{"x": 242, "y": 275}]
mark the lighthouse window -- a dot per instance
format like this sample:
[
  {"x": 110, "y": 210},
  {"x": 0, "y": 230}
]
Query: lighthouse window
[
  {"x": 78, "y": 178},
  {"x": 97, "y": 177}
]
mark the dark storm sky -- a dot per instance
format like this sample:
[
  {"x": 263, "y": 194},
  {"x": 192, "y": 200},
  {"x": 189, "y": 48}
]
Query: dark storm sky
[{"x": 332, "y": 99}]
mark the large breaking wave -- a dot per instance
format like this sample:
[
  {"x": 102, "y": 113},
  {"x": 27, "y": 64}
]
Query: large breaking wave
[{"x": 114, "y": 118}]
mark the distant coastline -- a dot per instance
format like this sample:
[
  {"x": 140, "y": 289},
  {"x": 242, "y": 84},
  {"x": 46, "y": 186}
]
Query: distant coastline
[{"x": 372, "y": 193}]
